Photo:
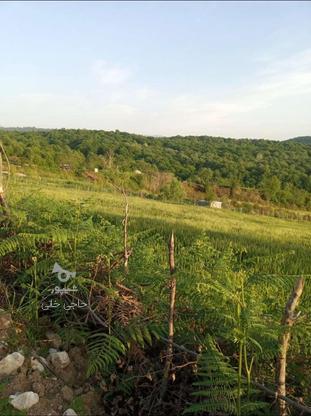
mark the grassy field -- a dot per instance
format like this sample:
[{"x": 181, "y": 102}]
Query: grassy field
[
  {"x": 260, "y": 236},
  {"x": 234, "y": 274}
]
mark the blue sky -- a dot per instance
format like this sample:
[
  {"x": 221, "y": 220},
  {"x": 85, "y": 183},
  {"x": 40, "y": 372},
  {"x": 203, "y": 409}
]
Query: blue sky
[{"x": 238, "y": 69}]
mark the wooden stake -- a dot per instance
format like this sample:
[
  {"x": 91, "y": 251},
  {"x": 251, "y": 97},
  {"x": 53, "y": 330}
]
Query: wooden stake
[
  {"x": 125, "y": 235},
  {"x": 288, "y": 320},
  {"x": 170, "y": 342}
]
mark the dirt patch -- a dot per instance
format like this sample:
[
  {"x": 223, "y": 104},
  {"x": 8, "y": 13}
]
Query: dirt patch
[{"x": 54, "y": 397}]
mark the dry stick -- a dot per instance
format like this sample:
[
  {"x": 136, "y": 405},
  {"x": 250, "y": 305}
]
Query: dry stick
[
  {"x": 293, "y": 403},
  {"x": 125, "y": 227},
  {"x": 288, "y": 320},
  {"x": 126, "y": 251},
  {"x": 35, "y": 355},
  {"x": 169, "y": 353}
]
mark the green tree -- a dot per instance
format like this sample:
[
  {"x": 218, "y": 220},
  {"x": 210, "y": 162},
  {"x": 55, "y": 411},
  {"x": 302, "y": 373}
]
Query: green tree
[
  {"x": 271, "y": 186},
  {"x": 173, "y": 191}
]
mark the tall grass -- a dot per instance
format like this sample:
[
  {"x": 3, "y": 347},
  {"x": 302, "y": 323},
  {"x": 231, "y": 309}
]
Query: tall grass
[{"x": 259, "y": 237}]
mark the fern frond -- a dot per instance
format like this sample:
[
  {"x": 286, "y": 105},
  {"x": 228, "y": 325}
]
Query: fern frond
[
  {"x": 104, "y": 351},
  {"x": 217, "y": 382}
]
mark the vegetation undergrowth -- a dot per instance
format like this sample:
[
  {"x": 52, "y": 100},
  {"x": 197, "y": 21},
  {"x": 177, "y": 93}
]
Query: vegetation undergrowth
[{"x": 231, "y": 293}]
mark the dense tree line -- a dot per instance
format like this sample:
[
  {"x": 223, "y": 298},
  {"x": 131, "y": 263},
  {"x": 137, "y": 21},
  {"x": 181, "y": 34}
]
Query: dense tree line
[{"x": 280, "y": 170}]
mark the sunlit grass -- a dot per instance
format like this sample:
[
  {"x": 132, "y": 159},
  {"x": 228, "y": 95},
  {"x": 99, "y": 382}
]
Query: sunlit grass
[{"x": 258, "y": 235}]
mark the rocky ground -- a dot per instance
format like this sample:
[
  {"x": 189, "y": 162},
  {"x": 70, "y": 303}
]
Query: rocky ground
[{"x": 53, "y": 384}]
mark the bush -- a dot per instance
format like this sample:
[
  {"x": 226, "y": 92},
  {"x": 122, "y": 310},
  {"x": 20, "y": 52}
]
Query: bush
[{"x": 173, "y": 191}]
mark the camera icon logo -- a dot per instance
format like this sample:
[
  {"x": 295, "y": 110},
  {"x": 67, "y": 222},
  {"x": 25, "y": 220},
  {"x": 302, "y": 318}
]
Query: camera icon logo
[{"x": 62, "y": 274}]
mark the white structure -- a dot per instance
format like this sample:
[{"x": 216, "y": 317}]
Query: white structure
[
  {"x": 96, "y": 170},
  {"x": 216, "y": 204}
]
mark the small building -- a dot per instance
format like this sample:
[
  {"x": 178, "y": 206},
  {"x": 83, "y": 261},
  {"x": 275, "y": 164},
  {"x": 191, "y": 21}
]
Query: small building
[
  {"x": 96, "y": 170},
  {"x": 65, "y": 166},
  {"x": 202, "y": 203},
  {"x": 215, "y": 204}
]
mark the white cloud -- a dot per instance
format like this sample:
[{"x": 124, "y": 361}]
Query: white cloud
[
  {"x": 108, "y": 74},
  {"x": 273, "y": 104},
  {"x": 274, "y": 87}
]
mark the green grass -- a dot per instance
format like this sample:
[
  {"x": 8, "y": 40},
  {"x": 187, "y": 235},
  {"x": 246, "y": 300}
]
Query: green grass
[
  {"x": 256, "y": 235},
  {"x": 213, "y": 281}
]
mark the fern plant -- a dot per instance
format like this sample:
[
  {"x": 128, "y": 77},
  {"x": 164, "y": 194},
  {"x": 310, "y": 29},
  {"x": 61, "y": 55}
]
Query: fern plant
[
  {"x": 104, "y": 351},
  {"x": 219, "y": 389}
]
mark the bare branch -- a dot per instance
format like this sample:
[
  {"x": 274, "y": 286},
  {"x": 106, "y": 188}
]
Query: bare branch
[
  {"x": 287, "y": 322},
  {"x": 169, "y": 354}
]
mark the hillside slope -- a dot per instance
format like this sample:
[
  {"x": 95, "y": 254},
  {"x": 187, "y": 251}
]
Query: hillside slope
[
  {"x": 281, "y": 169},
  {"x": 301, "y": 139}
]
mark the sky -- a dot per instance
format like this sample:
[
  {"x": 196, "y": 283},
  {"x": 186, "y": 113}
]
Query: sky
[{"x": 233, "y": 69}]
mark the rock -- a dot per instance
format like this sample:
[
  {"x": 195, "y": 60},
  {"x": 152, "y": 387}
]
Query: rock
[
  {"x": 23, "y": 401},
  {"x": 52, "y": 350},
  {"x": 70, "y": 412},
  {"x": 11, "y": 363},
  {"x": 54, "y": 339},
  {"x": 67, "y": 393},
  {"x": 5, "y": 319},
  {"x": 60, "y": 359},
  {"x": 38, "y": 388},
  {"x": 36, "y": 365}
]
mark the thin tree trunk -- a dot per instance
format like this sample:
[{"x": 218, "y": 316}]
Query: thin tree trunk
[
  {"x": 287, "y": 322},
  {"x": 169, "y": 351},
  {"x": 125, "y": 235}
]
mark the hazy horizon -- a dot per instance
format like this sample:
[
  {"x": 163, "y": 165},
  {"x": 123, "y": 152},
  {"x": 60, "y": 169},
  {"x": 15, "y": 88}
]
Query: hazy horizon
[
  {"x": 144, "y": 134},
  {"x": 231, "y": 69}
]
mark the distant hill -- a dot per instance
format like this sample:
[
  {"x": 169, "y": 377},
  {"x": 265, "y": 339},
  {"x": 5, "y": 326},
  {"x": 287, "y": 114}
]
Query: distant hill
[
  {"x": 22, "y": 129},
  {"x": 301, "y": 139},
  {"x": 279, "y": 169}
]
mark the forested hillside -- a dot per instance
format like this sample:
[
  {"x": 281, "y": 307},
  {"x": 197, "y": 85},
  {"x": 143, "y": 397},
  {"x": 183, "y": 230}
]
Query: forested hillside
[
  {"x": 302, "y": 139},
  {"x": 281, "y": 171}
]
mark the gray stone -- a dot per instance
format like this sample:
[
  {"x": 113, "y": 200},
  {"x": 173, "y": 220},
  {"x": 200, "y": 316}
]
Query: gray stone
[
  {"x": 60, "y": 359},
  {"x": 11, "y": 363},
  {"x": 70, "y": 412},
  {"x": 24, "y": 401},
  {"x": 36, "y": 365}
]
